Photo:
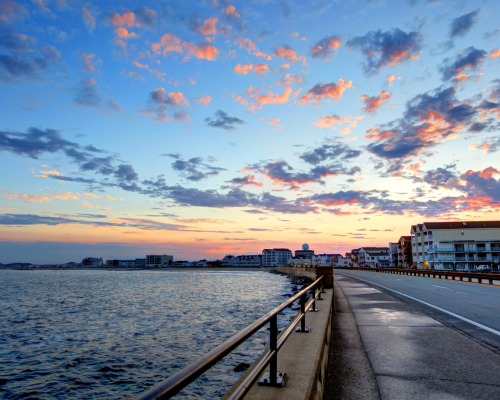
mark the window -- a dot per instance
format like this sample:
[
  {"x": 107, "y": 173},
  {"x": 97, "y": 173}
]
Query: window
[{"x": 462, "y": 233}]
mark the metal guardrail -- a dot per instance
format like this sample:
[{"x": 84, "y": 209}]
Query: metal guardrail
[
  {"x": 181, "y": 379},
  {"x": 429, "y": 273}
]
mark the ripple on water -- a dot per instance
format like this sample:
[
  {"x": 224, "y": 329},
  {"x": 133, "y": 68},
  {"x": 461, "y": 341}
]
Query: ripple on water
[{"x": 92, "y": 334}]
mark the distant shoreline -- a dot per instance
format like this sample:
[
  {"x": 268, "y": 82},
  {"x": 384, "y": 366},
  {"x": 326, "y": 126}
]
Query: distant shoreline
[{"x": 209, "y": 269}]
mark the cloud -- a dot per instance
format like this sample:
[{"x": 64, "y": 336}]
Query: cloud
[
  {"x": 202, "y": 52},
  {"x": 223, "y": 121},
  {"x": 88, "y": 64},
  {"x": 325, "y": 48},
  {"x": 11, "y": 11},
  {"x": 168, "y": 43},
  {"x": 288, "y": 79},
  {"x": 135, "y": 75},
  {"x": 269, "y": 98},
  {"x": 386, "y": 48},
  {"x": 243, "y": 69},
  {"x": 462, "y": 25},
  {"x": 328, "y": 90},
  {"x": 337, "y": 151},
  {"x": 88, "y": 19},
  {"x": 288, "y": 53},
  {"x": 160, "y": 103},
  {"x": 470, "y": 58},
  {"x": 371, "y": 104},
  {"x": 25, "y": 62},
  {"x": 281, "y": 173},
  {"x": 261, "y": 68},
  {"x": 126, "y": 172},
  {"x": 87, "y": 94},
  {"x": 250, "y": 46},
  {"x": 208, "y": 27},
  {"x": 192, "y": 169},
  {"x": 146, "y": 17},
  {"x": 205, "y": 100},
  {"x": 429, "y": 118},
  {"x": 248, "y": 180},
  {"x": 330, "y": 120}
]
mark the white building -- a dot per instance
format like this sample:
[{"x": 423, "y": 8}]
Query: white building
[
  {"x": 393, "y": 255},
  {"x": 228, "y": 261},
  {"x": 329, "y": 259},
  {"x": 158, "y": 261},
  {"x": 254, "y": 260},
  {"x": 275, "y": 257},
  {"x": 460, "y": 246},
  {"x": 374, "y": 256}
]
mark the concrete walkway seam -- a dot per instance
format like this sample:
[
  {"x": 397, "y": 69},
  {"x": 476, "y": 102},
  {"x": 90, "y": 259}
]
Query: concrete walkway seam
[{"x": 495, "y": 332}]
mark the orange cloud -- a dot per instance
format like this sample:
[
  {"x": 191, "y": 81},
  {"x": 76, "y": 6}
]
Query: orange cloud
[
  {"x": 202, "y": 52},
  {"x": 274, "y": 122},
  {"x": 330, "y": 120},
  {"x": 261, "y": 68},
  {"x": 231, "y": 11},
  {"x": 328, "y": 90},
  {"x": 169, "y": 43},
  {"x": 208, "y": 27},
  {"x": 127, "y": 18},
  {"x": 289, "y": 54},
  {"x": 123, "y": 33},
  {"x": 390, "y": 78},
  {"x": 495, "y": 53},
  {"x": 205, "y": 100},
  {"x": 374, "y": 133},
  {"x": 485, "y": 147},
  {"x": 250, "y": 46},
  {"x": 373, "y": 103},
  {"x": 243, "y": 69},
  {"x": 461, "y": 77},
  {"x": 271, "y": 98}
]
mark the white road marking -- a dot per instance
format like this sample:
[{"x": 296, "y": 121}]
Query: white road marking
[
  {"x": 441, "y": 287},
  {"x": 491, "y": 330}
]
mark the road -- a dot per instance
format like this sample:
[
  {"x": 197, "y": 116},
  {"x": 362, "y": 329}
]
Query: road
[{"x": 480, "y": 304}]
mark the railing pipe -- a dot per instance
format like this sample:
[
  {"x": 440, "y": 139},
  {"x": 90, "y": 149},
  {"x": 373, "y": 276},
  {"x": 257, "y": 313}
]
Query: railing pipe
[{"x": 181, "y": 379}]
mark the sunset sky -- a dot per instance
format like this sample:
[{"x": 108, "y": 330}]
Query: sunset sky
[{"x": 206, "y": 128}]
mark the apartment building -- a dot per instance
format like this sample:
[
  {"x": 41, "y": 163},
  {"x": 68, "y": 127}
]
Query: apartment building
[
  {"x": 459, "y": 246},
  {"x": 373, "y": 256},
  {"x": 393, "y": 255},
  {"x": 275, "y": 257},
  {"x": 405, "y": 257},
  {"x": 159, "y": 260},
  {"x": 92, "y": 262},
  {"x": 329, "y": 259},
  {"x": 254, "y": 260}
]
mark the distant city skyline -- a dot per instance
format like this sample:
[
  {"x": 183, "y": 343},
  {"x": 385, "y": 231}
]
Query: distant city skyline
[{"x": 201, "y": 129}]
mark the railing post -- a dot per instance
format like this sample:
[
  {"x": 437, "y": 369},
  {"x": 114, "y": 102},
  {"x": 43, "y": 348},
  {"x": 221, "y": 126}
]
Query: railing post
[
  {"x": 314, "y": 301},
  {"x": 273, "y": 368},
  {"x": 303, "y": 327}
]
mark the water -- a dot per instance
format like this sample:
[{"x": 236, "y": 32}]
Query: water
[{"x": 100, "y": 334}]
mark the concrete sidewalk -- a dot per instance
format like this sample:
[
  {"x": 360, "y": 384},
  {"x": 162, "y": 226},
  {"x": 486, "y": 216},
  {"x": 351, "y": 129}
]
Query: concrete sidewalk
[{"x": 382, "y": 348}]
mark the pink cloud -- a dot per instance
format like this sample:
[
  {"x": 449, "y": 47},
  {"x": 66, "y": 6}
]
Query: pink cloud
[
  {"x": 231, "y": 12},
  {"x": 202, "y": 52},
  {"x": 328, "y": 90},
  {"x": 289, "y": 79},
  {"x": 205, "y": 100},
  {"x": 88, "y": 19},
  {"x": 167, "y": 44},
  {"x": 289, "y": 54},
  {"x": 271, "y": 98},
  {"x": 243, "y": 69},
  {"x": 125, "y": 34},
  {"x": 371, "y": 104},
  {"x": 208, "y": 27},
  {"x": 261, "y": 68},
  {"x": 88, "y": 65}
]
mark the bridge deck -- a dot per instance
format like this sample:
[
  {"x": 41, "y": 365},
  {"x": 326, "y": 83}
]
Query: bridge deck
[{"x": 383, "y": 348}]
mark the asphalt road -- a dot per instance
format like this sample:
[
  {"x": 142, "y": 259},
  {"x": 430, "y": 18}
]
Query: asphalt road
[{"x": 478, "y": 303}]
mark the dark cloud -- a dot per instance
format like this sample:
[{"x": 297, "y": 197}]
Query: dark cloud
[
  {"x": 492, "y": 34},
  {"x": 161, "y": 103},
  {"x": 325, "y": 48},
  {"x": 194, "y": 169},
  {"x": 386, "y": 48},
  {"x": 440, "y": 177},
  {"x": 16, "y": 42},
  {"x": 463, "y": 24},
  {"x": 470, "y": 58},
  {"x": 429, "y": 118},
  {"x": 285, "y": 9},
  {"x": 126, "y": 172},
  {"x": 223, "y": 121},
  {"x": 92, "y": 215},
  {"x": 248, "y": 180},
  {"x": 337, "y": 151},
  {"x": 87, "y": 93},
  {"x": 28, "y": 65},
  {"x": 146, "y": 17}
]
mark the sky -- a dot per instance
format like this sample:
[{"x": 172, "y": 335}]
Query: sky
[{"x": 206, "y": 128}]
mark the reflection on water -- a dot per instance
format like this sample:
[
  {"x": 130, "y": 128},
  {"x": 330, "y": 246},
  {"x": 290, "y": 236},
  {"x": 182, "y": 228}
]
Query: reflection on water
[{"x": 101, "y": 334}]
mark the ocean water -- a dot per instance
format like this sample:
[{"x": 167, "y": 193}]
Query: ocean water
[{"x": 110, "y": 334}]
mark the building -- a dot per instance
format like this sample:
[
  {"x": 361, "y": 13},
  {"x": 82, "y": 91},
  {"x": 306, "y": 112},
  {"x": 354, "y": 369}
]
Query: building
[
  {"x": 355, "y": 257},
  {"x": 305, "y": 252},
  {"x": 248, "y": 261},
  {"x": 329, "y": 259},
  {"x": 228, "y": 261},
  {"x": 159, "y": 261},
  {"x": 275, "y": 257},
  {"x": 92, "y": 262},
  {"x": 138, "y": 262},
  {"x": 374, "y": 256},
  {"x": 459, "y": 246},
  {"x": 393, "y": 255},
  {"x": 405, "y": 258},
  {"x": 300, "y": 261}
]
